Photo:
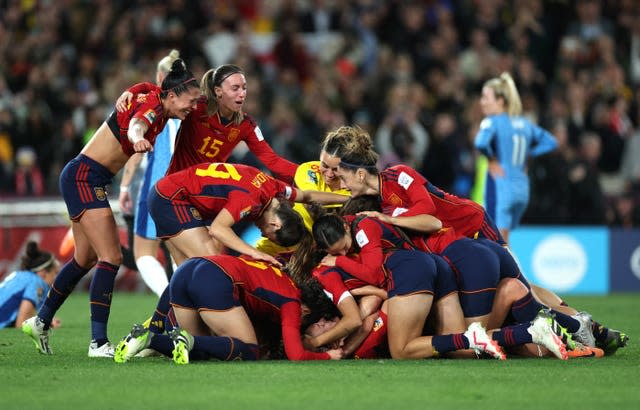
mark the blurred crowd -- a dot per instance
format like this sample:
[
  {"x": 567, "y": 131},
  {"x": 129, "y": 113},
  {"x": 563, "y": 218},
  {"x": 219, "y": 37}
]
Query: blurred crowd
[{"x": 408, "y": 71}]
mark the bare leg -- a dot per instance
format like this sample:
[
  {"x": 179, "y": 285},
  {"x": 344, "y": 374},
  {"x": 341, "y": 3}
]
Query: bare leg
[{"x": 406, "y": 318}]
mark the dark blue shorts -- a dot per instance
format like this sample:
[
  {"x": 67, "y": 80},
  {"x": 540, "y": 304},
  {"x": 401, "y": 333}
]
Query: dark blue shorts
[
  {"x": 489, "y": 230},
  {"x": 508, "y": 265},
  {"x": 445, "y": 280},
  {"x": 173, "y": 216},
  {"x": 410, "y": 272},
  {"x": 84, "y": 185},
  {"x": 477, "y": 271},
  {"x": 202, "y": 285}
]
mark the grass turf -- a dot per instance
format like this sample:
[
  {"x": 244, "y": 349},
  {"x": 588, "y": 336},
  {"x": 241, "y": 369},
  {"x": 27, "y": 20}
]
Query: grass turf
[{"x": 69, "y": 379}]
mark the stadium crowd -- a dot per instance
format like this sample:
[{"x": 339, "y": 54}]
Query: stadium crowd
[{"x": 408, "y": 72}]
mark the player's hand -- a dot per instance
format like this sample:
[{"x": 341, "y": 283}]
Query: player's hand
[
  {"x": 336, "y": 354},
  {"x": 495, "y": 169},
  {"x": 261, "y": 256},
  {"x": 123, "y": 101},
  {"x": 376, "y": 214},
  {"x": 125, "y": 202},
  {"x": 142, "y": 146},
  {"x": 329, "y": 260},
  {"x": 56, "y": 323}
]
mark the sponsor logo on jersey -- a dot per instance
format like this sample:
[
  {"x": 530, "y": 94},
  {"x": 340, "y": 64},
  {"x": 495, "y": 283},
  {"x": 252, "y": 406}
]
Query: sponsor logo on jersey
[
  {"x": 258, "y": 133},
  {"x": 100, "y": 193},
  {"x": 405, "y": 180},
  {"x": 361, "y": 238},
  {"x": 233, "y": 134},
  {"x": 150, "y": 115},
  {"x": 195, "y": 213}
]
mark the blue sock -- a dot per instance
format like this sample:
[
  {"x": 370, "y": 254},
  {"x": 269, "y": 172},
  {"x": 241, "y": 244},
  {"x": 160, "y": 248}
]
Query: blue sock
[
  {"x": 525, "y": 310},
  {"x": 572, "y": 325},
  {"x": 65, "y": 282},
  {"x": 160, "y": 314},
  {"x": 513, "y": 335},
  {"x": 449, "y": 343},
  {"x": 100, "y": 293},
  {"x": 226, "y": 348},
  {"x": 162, "y": 344}
]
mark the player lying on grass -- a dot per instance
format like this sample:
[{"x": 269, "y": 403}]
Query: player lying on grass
[{"x": 213, "y": 298}]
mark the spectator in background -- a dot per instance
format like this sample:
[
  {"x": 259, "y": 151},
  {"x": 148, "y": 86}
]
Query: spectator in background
[
  {"x": 28, "y": 176},
  {"x": 587, "y": 203}
]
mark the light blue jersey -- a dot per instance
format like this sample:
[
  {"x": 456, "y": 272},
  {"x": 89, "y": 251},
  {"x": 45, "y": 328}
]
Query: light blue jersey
[
  {"x": 157, "y": 164},
  {"x": 512, "y": 141},
  {"x": 15, "y": 288}
]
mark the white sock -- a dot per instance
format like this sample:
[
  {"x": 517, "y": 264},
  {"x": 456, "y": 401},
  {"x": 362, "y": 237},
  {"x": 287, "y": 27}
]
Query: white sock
[{"x": 152, "y": 273}]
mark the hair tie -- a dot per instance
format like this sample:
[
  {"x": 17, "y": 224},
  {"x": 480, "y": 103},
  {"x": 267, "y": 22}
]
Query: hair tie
[
  {"x": 44, "y": 265},
  {"x": 219, "y": 83}
]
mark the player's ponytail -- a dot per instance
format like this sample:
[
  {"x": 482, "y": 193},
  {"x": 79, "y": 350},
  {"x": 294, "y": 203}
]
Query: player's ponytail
[
  {"x": 505, "y": 88},
  {"x": 178, "y": 80}
]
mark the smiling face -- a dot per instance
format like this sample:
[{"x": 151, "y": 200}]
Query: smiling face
[
  {"x": 329, "y": 170},
  {"x": 231, "y": 94},
  {"x": 353, "y": 180},
  {"x": 179, "y": 106}
]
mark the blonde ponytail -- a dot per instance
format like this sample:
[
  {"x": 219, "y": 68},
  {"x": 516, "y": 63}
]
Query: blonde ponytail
[{"x": 504, "y": 87}]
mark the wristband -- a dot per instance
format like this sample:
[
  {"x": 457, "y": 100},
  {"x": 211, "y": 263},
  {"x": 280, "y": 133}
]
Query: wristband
[{"x": 124, "y": 188}]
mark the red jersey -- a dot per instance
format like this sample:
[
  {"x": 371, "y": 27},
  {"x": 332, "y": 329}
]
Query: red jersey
[
  {"x": 209, "y": 138},
  {"x": 145, "y": 107},
  {"x": 404, "y": 191},
  {"x": 266, "y": 293},
  {"x": 373, "y": 238},
  {"x": 336, "y": 282},
  {"x": 242, "y": 190}
]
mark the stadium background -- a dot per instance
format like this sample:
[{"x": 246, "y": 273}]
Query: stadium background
[{"x": 404, "y": 70}]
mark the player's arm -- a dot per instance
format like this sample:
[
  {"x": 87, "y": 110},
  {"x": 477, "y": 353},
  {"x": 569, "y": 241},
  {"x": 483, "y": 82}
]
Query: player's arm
[
  {"x": 135, "y": 133},
  {"x": 25, "y": 311},
  {"x": 322, "y": 198},
  {"x": 125, "y": 98},
  {"x": 128, "y": 172},
  {"x": 221, "y": 229},
  {"x": 543, "y": 140},
  {"x": 354, "y": 341},
  {"x": 349, "y": 323},
  {"x": 422, "y": 222},
  {"x": 484, "y": 138},
  {"x": 283, "y": 169}
]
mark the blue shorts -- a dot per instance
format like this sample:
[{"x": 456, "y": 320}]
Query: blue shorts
[
  {"x": 410, "y": 272},
  {"x": 84, "y": 185},
  {"x": 202, "y": 285},
  {"x": 477, "y": 271},
  {"x": 508, "y": 265},
  {"x": 506, "y": 201},
  {"x": 445, "y": 280},
  {"x": 490, "y": 231},
  {"x": 173, "y": 216}
]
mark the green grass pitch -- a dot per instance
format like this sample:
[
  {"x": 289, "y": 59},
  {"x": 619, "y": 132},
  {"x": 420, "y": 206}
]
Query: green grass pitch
[{"x": 70, "y": 380}]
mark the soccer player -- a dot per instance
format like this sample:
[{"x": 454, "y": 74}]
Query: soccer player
[
  {"x": 213, "y": 298},
  {"x": 218, "y": 195},
  {"x": 403, "y": 269},
  {"x": 22, "y": 292},
  {"x": 83, "y": 183},
  {"x": 508, "y": 140},
  {"x": 218, "y": 125},
  {"x": 145, "y": 242}
]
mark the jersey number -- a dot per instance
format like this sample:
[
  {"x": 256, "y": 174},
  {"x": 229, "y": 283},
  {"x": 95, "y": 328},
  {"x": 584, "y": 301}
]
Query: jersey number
[
  {"x": 519, "y": 150},
  {"x": 262, "y": 266},
  {"x": 214, "y": 171},
  {"x": 210, "y": 150}
]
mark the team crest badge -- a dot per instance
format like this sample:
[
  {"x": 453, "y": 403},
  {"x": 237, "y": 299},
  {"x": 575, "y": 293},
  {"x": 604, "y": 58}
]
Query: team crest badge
[
  {"x": 377, "y": 325},
  {"x": 195, "y": 213},
  {"x": 101, "y": 195},
  {"x": 233, "y": 134},
  {"x": 39, "y": 291},
  {"x": 141, "y": 98},
  {"x": 246, "y": 211},
  {"x": 395, "y": 200}
]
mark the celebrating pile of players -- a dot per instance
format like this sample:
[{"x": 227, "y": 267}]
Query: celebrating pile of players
[{"x": 354, "y": 261}]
